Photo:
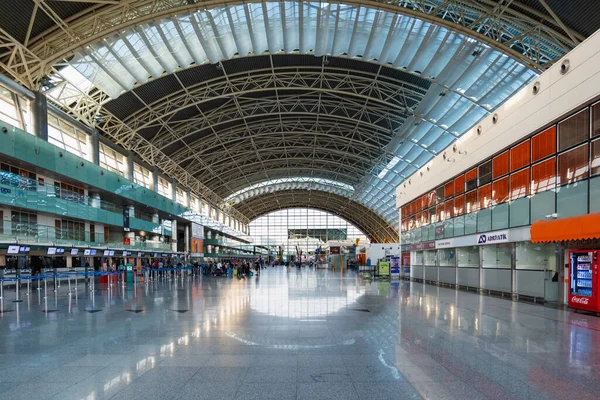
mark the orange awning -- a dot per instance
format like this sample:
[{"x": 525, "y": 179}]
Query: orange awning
[{"x": 573, "y": 228}]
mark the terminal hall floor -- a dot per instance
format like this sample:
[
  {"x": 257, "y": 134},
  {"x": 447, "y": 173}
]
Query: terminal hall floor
[{"x": 299, "y": 335}]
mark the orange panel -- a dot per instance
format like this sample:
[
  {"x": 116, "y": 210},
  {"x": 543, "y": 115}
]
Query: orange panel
[
  {"x": 459, "y": 205},
  {"x": 425, "y": 218},
  {"x": 543, "y": 144},
  {"x": 439, "y": 210},
  {"x": 573, "y": 228},
  {"x": 484, "y": 196},
  {"x": 471, "y": 202},
  {"x": 449, "y": 189},
  {"x": 520, "y": 156},
  {"x": 459, "y": 184},
  {"x": 500, "y": 191},
  {"x": 500, "y": 165},
  {"x": 543, "y": 176},
  {"x": 472, "y": 174},
  {"x": 573, "y": 165},
  {"x": 519, "y": 184},
  {"x": 449, "y": 209}
]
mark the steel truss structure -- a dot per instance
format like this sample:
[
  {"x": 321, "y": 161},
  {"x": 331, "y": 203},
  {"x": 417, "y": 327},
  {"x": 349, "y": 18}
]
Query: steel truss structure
[
  {"x": 369, "y": 127},
  {"x": 376, "y": 227}
]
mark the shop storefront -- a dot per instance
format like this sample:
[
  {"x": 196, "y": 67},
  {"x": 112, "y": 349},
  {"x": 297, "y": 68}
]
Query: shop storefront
[
  {"x": 500, "y": 262},
  {"x": 578, "y": 239}
]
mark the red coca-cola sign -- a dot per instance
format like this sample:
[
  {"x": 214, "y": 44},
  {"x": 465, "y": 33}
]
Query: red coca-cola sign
[{"x": 580, "y": 300}]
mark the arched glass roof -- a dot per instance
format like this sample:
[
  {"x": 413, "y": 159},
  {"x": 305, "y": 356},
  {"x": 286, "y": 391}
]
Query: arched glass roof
[{"x": 448, "y": 79}]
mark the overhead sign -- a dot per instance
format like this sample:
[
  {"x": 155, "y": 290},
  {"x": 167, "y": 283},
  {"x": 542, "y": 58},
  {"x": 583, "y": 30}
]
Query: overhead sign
[
  {"x": 444, "y": 244},
  {"x": 423, "y": 246},
  {"x": 493, "y": 237},
  {"x": 334, "y": 250}
]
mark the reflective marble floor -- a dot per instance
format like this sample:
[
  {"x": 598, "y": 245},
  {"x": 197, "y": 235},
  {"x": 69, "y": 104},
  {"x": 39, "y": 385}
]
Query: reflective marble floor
[{"x": 298, "y": 335}]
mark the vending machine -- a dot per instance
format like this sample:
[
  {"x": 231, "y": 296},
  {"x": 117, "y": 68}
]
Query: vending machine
[{"x": 583, "y": 280}]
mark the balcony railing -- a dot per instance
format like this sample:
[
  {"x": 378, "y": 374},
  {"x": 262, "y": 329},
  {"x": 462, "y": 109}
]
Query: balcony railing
[
  {"x": 27, "y": 185},
  {"x": 14, "y": 232}
]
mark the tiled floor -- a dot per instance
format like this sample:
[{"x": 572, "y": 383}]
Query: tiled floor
[{"x": 298, "y": 335}]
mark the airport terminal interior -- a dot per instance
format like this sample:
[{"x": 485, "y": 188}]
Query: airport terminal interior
[{"x": 299, "y": 199}]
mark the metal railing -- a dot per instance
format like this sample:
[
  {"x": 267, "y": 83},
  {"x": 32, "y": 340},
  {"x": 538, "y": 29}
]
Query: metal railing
[{"x": 42, "y": 234}]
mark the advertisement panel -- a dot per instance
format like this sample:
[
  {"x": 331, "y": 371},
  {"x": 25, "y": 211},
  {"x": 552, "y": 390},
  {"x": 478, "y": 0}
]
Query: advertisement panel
[
  {"x": 197, "y": 231},
  {"x": 197, "y": 245}
]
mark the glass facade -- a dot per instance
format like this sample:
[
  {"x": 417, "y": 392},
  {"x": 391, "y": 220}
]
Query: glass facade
[
  {"x": 67, "y": 137},
  {"x": 301, "y": 228},
  {"x": 112, "y": 160},
  {"x": 552, "y": 171}
]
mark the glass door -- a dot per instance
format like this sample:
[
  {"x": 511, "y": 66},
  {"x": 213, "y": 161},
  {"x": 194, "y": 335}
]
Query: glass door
[{"x": 581, "y": 273}]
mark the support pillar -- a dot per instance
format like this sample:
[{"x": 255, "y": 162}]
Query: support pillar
[
  {"x": 188, "y": 193},
  {"x": 186, "y": 238},
  {"x": 174, "y": 235},
  {"x": 96, "y": 200},
  {"x": 39, "y": 114},
  {"x": 129, "y": 166},
  {"x": 155, "y": 218},
  {"x": 174, "y": 189},
  {"x": 155, "y": 179},
  {"x": 69, "y": 260},
  {"x": 95, "y": 147}
]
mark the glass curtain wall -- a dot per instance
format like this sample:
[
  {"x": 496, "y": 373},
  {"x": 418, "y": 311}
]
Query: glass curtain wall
[{"x": 304, "y": 228}]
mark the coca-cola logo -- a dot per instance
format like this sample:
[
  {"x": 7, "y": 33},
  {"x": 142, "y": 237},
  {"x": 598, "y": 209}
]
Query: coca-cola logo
[{"x": 580, "y": 300}]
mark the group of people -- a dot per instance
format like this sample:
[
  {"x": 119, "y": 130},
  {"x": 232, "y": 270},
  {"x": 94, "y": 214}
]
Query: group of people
[{"x": 228, "y": 268}]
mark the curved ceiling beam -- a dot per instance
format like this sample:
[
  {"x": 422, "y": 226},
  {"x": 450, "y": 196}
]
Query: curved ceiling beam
[
  {"x": 292, "y": 185},
  {"x": 349, "y": 84},
  {"x": 292, "y": 164},
  {"x": 372, "y": 224},
  {"x": 513, "y": 29},
  {"x": 208, "y": 145},
  {"x": 241, "y": 183},
  {"x": 223, "y": 118}
]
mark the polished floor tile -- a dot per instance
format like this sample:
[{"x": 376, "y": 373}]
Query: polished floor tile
[{"x": 300, "y": 335}]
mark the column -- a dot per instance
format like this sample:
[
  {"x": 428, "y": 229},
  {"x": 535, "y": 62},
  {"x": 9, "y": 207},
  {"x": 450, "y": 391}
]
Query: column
[
  {"x": 69, "y": 260},
  {"x": 200, "y": 205},
  {"x": 96, "y": 200},
  {"x": 174, "y": 235},
  {"x": 155, "y": 179},
  {"x": 186, "y": 238},
  {"x": 129, "y": 166},
  {"x": 95, "y": 147},
  {"x": 39, "y": 114},
  {"x": 155, "y": 218},
  {"x": 188, "y": 193},
  {"x": 174, "y": 189}
]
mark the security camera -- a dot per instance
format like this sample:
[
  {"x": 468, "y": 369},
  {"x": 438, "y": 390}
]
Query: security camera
[{"x": 552, "y": 216}]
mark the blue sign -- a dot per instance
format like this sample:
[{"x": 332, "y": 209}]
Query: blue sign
[{"x": 5, "y": 190}]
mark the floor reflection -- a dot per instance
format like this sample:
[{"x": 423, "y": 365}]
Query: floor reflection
[{"x": 294, "y": 334}]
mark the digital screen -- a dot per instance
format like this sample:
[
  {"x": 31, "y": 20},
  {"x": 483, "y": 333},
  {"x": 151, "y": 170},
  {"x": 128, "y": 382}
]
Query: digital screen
[
  {"x": 125, "y": 254},
  {"x": 139, "y": 254},
  {"x": 74, "y": 252},
  {"x": 164, "y": 255},
  {"x": 24, "y": 249},
  {"x": 111, "y": 253},
  {"x": 60, "y": 251},
  {"x": 87, "y": 252},
  {"x": 12, "y": 250},
  {"x": 51, "y": 251},
  {"x": 155, "y": 255},
  {"x": 107, "y": 252},
  {"x": 93, "y": 252}
]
